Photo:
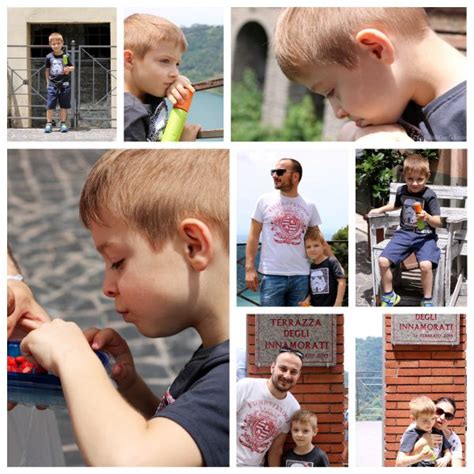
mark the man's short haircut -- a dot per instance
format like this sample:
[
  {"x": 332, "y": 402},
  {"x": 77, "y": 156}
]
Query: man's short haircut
[
  {"x": 55, "y": 35},
  {"x": 323, "y": 36},
  {"x": 416, "y": 163},
  {"x": 296, "y": 165},
  {"x": 142, "y": 32},
  {"x": 421, "y": 405},
  {"x": 152, "y": 191},
  {"x": 305, "y": 416}
]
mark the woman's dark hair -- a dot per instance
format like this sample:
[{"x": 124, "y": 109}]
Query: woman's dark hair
[{"x": 448, "y": 400}]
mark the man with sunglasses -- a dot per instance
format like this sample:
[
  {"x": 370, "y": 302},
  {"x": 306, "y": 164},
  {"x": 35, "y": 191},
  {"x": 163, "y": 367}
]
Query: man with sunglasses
[
  {"x": 282, "y": 218},
  {"x": 264, "y": 411}
]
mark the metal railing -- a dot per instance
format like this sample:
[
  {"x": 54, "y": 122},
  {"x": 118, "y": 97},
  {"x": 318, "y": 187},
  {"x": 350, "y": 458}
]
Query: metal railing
[
  {"x": 369, "y": 395},
  {"x": 93, "y": 89}
]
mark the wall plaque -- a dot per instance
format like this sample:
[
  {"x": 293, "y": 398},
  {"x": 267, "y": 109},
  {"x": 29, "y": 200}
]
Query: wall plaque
[
  {"x": 425, "y": 329},
  {"x": 313, "y": 335}
]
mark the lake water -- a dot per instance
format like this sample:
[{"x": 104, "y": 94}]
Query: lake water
[{"x": 207, "y": 110}]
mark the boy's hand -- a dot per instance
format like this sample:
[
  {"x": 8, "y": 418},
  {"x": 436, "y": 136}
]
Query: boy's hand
[
  {"x": 123, "y": 371},
  {"x": 190, "y": 132},
  {"x": 305, "y": 302},
  {"x": 53, "y": 343},
  {"x": 442, "y": 462},
  {"x": 178, "y": 91},
  {"x": 426, "y": 454},
  {"x": 67, "y": 69}
]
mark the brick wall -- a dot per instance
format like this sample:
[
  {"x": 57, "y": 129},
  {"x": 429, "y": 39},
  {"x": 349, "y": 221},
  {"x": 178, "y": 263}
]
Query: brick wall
[
  {"x": 431, "y": 370},
  {"x": 319, "y": 389}
]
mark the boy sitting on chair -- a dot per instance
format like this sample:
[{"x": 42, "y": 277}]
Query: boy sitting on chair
[{"x": 420, "y": 215}]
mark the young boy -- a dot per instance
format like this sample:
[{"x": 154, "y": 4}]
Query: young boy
[
  {"x": 58, "y": 68},
  {"x": 152, "y": 53},
  {"x": 420, "y": 215},
  {"x": 304, "y": 427},
  {"x": 327, "y": 281},
  {"x": 163, "y": 236},
  {"x": 416, "y": 446},
  {"x": 376, "y": 68}
]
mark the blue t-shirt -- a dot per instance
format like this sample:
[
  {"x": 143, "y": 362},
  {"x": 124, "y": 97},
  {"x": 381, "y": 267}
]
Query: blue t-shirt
[
  {"x": 443, "y": 119},
  {"x": 198, "y": 400}
]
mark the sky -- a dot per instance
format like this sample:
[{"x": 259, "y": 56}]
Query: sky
[
  {"x": 184, "y": 16},
  {"x": 325, "y": 182}
]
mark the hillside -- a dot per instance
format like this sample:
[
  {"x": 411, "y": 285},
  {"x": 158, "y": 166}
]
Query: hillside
[{"x": 204, "y": 58}]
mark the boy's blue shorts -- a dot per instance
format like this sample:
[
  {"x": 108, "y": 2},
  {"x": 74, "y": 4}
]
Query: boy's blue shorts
[
  {"x": 59, "y": 93},
  {"x": 405, "y": 242}
]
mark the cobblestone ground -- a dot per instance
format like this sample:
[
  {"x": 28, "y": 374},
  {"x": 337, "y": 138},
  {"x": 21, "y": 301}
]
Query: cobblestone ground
[
  {"x": 82, "y": 135},
  {"x": 62, "y": 266}
]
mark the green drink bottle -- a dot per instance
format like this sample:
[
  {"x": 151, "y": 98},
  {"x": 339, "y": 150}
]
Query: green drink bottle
[{"x": 177, "y": 119}]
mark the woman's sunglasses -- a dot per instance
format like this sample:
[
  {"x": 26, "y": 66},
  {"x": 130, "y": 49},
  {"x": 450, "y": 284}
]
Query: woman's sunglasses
[{"x": 447, "y": 415}]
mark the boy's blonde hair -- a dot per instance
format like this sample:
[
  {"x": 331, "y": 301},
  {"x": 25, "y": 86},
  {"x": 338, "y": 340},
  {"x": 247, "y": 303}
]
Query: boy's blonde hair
[
  {"x": 323, "y": 36},
  {"x": 142, "y": 32},
  {"x": 315, "y": 234},
  {"x": 305, "y": 416},
  {"x": 55, "y": 35},
  {"x": 154, "y": 190},
  {"x": 416, "y": 163},
  {"x": 422, "y": 405}
]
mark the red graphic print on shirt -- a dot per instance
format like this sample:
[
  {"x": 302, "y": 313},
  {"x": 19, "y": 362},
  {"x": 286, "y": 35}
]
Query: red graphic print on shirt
[
  {"x": 287, "y": 227},
  {"x": 258, "y": 432}
]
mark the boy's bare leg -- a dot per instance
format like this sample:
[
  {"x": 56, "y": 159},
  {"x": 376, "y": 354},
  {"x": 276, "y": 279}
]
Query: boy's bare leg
[
  {"x": 386, "y": 274},
  {"x": 49, "y": 115},
  {"x": 426, "y": 268},
  {"x": 63, "y": 115}
]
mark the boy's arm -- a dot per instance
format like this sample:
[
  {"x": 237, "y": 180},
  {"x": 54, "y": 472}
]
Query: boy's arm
[
  {"x": 405, "y": 460},
  {"x": 276, "y": 450},
  {"x": 433, "y": 221},
  {"x": 108, "y": 430},
  {"x": 373, "y": 133},
  {"x": 251, "y": 277},
  {"x": 46, "y": 72},
  {"x": 380, "y": 210},
  {"x": 341, "y": 288},
  {"x": 306, "y": 301}
]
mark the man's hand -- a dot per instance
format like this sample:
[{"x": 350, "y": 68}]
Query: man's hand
[
  {"x": 23, "y": 312},
  {"x": 179, "y": 91},
  {"x": 123, "y": 371},
  {"x": 53, "y": 343},
  {"x": 190, "y": 132},
  {"x": 251, "y": 279}
]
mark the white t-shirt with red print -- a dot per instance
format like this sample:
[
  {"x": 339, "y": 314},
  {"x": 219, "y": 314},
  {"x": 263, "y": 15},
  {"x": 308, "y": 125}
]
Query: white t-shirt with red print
[
  {"x": 260, "y": 419},
  {"x": 284, "y": 223}
]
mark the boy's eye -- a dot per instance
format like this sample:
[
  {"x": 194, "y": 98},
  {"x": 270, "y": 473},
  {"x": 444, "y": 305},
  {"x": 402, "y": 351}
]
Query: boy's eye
[
  {"x": 330, "y": 94},
  {"x": 116, "y": 265}
]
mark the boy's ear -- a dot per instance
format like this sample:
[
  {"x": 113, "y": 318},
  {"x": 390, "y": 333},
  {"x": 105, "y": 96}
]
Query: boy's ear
[
  {"x": 128, "y": 58},
  {"x": 198, "y": 243},
  {"x": 377, "y": 43}
]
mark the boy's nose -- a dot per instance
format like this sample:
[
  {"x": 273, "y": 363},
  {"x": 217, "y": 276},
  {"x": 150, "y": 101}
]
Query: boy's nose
[
  {"x": 109, "y": 288},
  {"x": 339, "y": 112}
]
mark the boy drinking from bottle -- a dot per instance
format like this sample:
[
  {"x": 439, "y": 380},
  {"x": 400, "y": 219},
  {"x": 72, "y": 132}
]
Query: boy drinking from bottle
[
  {"x": 153, "y": 48},
  {"x": 58, "y": 67},
  {"x": 420, "y": 215}
]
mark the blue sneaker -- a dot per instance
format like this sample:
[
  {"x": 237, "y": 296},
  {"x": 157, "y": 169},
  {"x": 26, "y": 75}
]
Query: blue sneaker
[
  {"x": 63, "y": 128},
  {"x": 48, "y": 128},
  {"x": 427, "y": 302},
  {"x": 392, "y": 299}
]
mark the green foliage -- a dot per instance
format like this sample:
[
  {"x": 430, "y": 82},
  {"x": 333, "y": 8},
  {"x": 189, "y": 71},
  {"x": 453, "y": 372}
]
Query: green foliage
[
  {"x": 204, "y": 58},
  {"x": 301, "y": 123},
  {"x": 376, "y": 169},
  {"x": 340, "y": 248}
]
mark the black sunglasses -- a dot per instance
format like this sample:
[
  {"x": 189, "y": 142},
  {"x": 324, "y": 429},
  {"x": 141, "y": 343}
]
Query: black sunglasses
[
  {"x": 447, "y": 415},
  {"x": 280, "y": 171},
  {"x": 292, "y": 351}
]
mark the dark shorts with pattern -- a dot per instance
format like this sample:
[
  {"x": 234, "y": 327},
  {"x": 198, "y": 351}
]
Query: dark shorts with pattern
[{"x": 59, "y": 93}]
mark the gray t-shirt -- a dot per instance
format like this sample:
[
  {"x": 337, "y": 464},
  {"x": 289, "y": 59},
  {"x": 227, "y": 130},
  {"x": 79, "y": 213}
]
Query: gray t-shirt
[{"x": 443, "y": 119}]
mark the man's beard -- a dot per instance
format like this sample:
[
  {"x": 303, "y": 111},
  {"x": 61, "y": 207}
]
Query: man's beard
[{"x": 276, "y": 383}]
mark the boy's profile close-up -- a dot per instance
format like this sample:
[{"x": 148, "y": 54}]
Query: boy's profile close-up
[{"x": 384, "y": 69}]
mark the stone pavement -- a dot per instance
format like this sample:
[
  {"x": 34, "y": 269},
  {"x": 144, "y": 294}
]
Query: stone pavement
[
  {"x": 61, "y": 265},
  {"x": 76, "y": 135},
  {"x": 410, "y": 291}
]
